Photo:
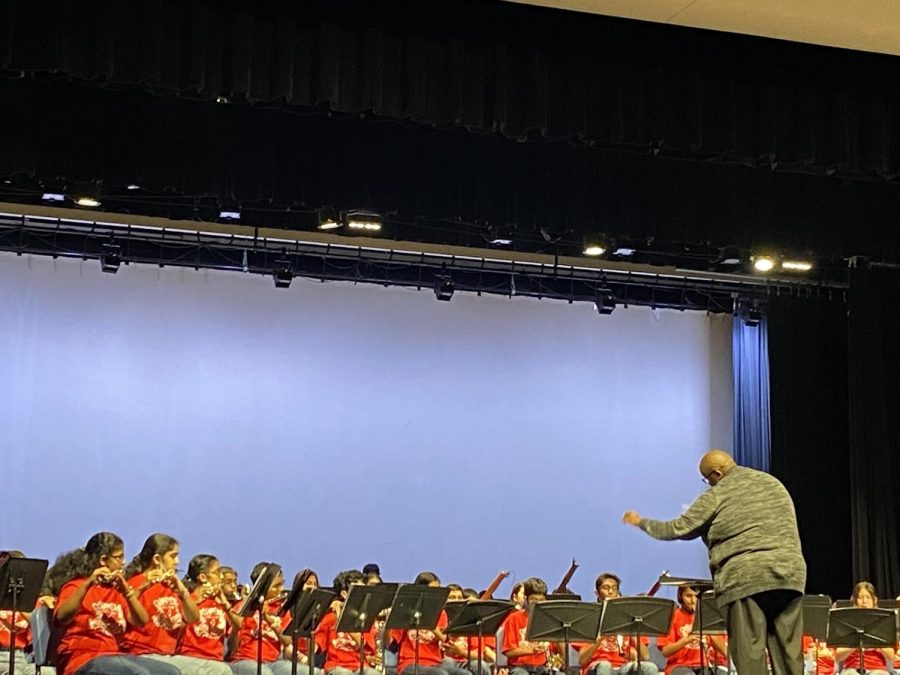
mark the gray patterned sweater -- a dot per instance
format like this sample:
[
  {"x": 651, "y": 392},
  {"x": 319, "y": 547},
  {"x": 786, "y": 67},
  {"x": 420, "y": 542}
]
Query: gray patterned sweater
[{"x": 747, "y": 522}]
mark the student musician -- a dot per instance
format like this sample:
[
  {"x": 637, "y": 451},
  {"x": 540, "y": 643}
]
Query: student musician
[
  {"x": 95, "y": 607},
  {"x": 488, "y": 644},
  {"x": 681, "y": 646},
  {"x": 524, "y": 657},
  {"x": 613, "y": 654},
  {"x": 431, "y": 659},
  {"x": 244, "y": 641},
  {"x": 341, "y": 649},
  {"x": 875, "y": 660},
  {"x": 820, "y": 655},
  {"x": 517, "y": 595},
  {"x": 168, "y": 603},
  {"x": 201, "y": 649}
]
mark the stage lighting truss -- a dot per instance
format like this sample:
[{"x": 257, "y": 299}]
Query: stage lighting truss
[{"x": 286, "y": 254}]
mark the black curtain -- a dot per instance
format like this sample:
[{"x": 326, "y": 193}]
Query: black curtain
[
  {"x": 808, "y": 380},
  {"x": 874, "y": 337},
  {"x": 489, "y": 66}
]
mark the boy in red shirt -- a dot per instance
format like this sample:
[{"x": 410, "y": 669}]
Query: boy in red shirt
[
  {"x": 274, "y": 639},
  {"x": 613, "y": 654},
  {"x": 681, "y": 646},
  {"x": 524, "y": 657},
  {"x": 342, "y": 649}
]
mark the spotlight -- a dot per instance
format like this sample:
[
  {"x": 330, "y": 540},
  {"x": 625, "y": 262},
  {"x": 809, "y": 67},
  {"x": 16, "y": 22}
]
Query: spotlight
[
  {"x": 443, "y": 288},
  {"x": 364, "y": 220},
  {"x": 111, "y": 258},
  {"x": 53, "y": 197},
  {"x": 283, "y": 272},
  {"x": 89, "y": 202},
  {"x": 796, "y": 265},
  {"x": 132, "y": 186},
  {"x": 328, "y": 220},
  {"x": 499, "y": 235},
  {"x": 605, "y": 302},
  {"x": 624, "y": 251},
  {"x": 229, "y": 215},
  {"x": 763, "y": 263}
]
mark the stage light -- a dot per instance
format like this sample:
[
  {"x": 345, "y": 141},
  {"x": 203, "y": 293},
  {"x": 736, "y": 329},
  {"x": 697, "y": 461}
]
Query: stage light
[
  {"x": 328, "y": 220},
  {"x": 605, "y": 302},
  {"x": 111, "y": 258},
  {"x": 443, "y": 288},
  {"x": 132, "y": 186},
  {"x": 499, "y": 235},
  {"x": 796, "y": 265},
  {"x": 764, "y": 263},
  {"x": 283, "y": 272},
  {"x": 624, "y": 251},
  {"x": 594, "y": 250},
  {"x": 53, "y": 197},
  {"x": 229, "y": 215},
  {"x": 89, "y": 202},
  {"x": 364, "y": 220}
]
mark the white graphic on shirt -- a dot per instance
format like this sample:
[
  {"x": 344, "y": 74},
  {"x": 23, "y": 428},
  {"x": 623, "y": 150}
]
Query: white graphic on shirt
[
  {"x": 609, "y": 643},
  {"x": 108, "y": 618},
  {"x": 6, "y": 622},
  {"x": 268, "y": 632},
  {"x": 168, "y": 613},
  {"x": 344, "y": 642},
  {"x": 212, "y": 623}
]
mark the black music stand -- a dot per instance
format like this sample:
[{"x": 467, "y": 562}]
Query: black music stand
[
  {"x": 638, "y": 616},
  {"x": 815, "y": 610},
  {"x": 20, "y": 586},
  {"x": 477, "y": 617},
  {"x": 859, "y": 628},
  {"x": 564, "y": 596},
  {"x": 361, "y": 608},
  {"x": 257, "y": 601},
  {"x": 564, "y": 621},
  {"x": 307, "y": 609},
  {"x": 416, "y": 607},
  {"x": 701, "y": 586}
]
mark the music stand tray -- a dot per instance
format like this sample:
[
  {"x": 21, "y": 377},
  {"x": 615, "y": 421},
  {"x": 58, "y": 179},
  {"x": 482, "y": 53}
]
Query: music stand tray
[
  {"x": 361, "y": 608},
  {"x": 815, "y": 610},
  {"x": 565, "y": 621},
  {"x": 477, "y": 618},
  {"x": 257, "y": 596},
  {"x": 639, "y": 616},
  {"x": 857, "y": 627},
  {"x": 307, "y": 609},
  {"x": 20, "y": 586}
]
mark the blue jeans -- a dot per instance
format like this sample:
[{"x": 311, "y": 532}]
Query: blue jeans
[
  {"x": 23, "y": 667},
  {"x": 367, "y": 670},
  {"x": 605, "y": 668},
  {"x": 191, "y": 665},
  {"x": 442, "y": 669},
  {"x": 126, "y": 664},
  {"x": 248, "y": 667}
]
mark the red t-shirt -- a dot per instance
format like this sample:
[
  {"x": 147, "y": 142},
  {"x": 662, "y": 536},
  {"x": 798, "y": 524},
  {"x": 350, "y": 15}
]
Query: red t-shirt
[
  {"x": 161, "y": 633},
  {"x": 23, "y": 629},
  {"x": 873, "y": 659},
  {"x": 430, "y": 653},
  {"x": 94, "y": 629},
  {"x": 682, "y": 623},
  {"x": 825, "y": 661},
  {"x": 609, "y": 649},
  {"x": 487, "y": 642},
  {"x": 514, "y": 637},
  {"x": 205, "y": 638},
  {"x": 247, "y": 635},
  {"x": 340, "y": 649}
]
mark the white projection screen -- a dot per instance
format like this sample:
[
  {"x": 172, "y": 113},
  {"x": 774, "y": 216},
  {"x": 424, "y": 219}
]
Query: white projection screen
[{"x": 330, "y": 424}]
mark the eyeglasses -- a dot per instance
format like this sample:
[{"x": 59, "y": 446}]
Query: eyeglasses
[{"x": 609, "y": 588}]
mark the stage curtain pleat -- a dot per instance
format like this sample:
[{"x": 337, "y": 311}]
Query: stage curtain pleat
[
  {"x": 750, "y": 365},
  {"x": 874, "y": 327},
  {"x": 487, "y": 66}
]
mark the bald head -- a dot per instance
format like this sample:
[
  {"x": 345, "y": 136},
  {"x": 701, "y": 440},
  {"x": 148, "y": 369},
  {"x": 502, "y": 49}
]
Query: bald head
[{"x": 715, "y": 464}]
